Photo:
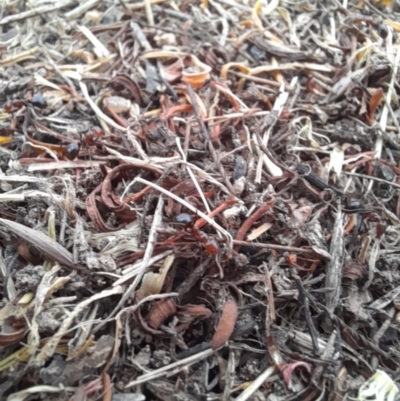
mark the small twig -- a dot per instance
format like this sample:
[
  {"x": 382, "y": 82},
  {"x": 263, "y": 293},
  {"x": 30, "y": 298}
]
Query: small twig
[
  {"x": 81, "y": 9},
  {"x": 138, "y": 6},
  {"x": 270, "y": 314},
  {"x": 157, "y": 219},
  {"x": 190, "y": 207},
  {"x": 335, "y": 265},
  {"x": 370, "y": 177},
  {"x": 149, "y": 12},
  {"x": 48, "y": 350},
  {"x": 192, "y": 176},
  {"x": 55, "y": 66},
  {"x": 149, "y": 199},
  {"x": 229, "y": 376},
  {"x": 192, "y": 278},
  {"x": 256, "y": 384},
  {"x": 107, "y": 395},
  {"x": 271, "y": 246},
  {"x": 201, "y": 222},
  {"x": 37, "y": 11},
  {"x": 171, "y": 368},
  {"x": 303, "y": 300},
  {"x": 210, "y": 146}
]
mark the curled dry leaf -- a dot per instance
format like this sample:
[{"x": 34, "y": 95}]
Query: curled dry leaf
[
  {"x": 161, "y": 311},
  {"x": 94, "y": 214},
  {"x": 153, "y": 282},
  {"x": 173, "y": 72},
  {"x": 123, "y": 81},
  {"x": 225, "y": 69},
  {"x": 375, "y": 101},
  {"x": 226, "y": 324},
  {"x": 289, "y": 369},
  {"x": 354, "y": 270},
  {"x": 234, "y": 100},
  {"x": 112, "y": 200},
  {"x": 7, "y": 339},
  {"x": 196, "y": 72},
  {"x": 189, "y": 68},
  {"x": 196, "y": 310}
]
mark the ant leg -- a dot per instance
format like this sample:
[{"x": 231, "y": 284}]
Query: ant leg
[{"x": 90, "y": 157}]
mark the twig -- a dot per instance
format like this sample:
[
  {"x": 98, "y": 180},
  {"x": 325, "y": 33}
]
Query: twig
[
  {"x": 190, "y": 207},
  {"x": 157, "y": 219},
  {"x": 37, "y": 11},
  {"x": 149, "y": 199},
  {"x": 48, "y": 350},
  {"x": 201, "y": 222},
  {"x": 370, "y": 177},
  {"x": 192, "y": 176},
  {"x": 208, "y": 141},
  {"x": 149, "y": 12},
  {"x": 303, "y": 300},
  {"x": 107, "y": 387},
  {"x": 81, "y": 9},
  {"x": 271, "y": 246},
  {"x": 171, "y": 368},
  {"x": 256, "y": 384},
  {"x": 334, "y": 268}
]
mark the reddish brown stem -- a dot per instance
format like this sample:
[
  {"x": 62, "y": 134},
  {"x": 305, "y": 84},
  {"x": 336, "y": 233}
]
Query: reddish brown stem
[
  {"x": 252, "y": 219},
  {"x": 201, "y": 222},
  {"x": 107, "y": 395}
]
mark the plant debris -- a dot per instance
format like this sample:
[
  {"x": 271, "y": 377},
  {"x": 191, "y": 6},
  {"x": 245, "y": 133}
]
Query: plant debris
[{"x": 199, "y": 200}]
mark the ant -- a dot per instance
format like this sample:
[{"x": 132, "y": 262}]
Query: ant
[
  {"x": 355, "y": 206},
  {"x": 210, "y": 244},
  {"x": 36, "y": 101},
  {"x": 89, "y": 139}
]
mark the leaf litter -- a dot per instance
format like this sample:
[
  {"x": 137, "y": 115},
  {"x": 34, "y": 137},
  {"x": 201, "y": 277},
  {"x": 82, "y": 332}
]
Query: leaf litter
[{"x": 199, "y": 200}]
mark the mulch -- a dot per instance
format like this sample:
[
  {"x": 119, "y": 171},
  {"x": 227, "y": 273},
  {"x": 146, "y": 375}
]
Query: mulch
[{"x": 199, "y": 200}]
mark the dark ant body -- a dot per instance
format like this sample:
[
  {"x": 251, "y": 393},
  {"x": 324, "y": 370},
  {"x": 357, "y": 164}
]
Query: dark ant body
[
  {"x": 72, "y": 151},
  {"x": 211, "y": 246},
  {"x": 89, "y": 139},
  {"x": 184, "y": 218},
  {"x": 358, "y": 206},
  {"x": 353, "y": 206},
  {"x": 36, "y": 101}
]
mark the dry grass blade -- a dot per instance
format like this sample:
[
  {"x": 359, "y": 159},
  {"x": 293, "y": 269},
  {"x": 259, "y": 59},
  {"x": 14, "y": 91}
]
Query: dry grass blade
[
  {"x": 173, "y": 367},
  {"x": 335, "y": 266},
  {"x": 50, "y": 347},
  {"x": 50, "y": 248}
]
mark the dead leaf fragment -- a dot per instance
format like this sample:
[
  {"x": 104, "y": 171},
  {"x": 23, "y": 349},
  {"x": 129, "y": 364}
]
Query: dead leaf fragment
[
  {"x": 226, "y": 324},
  {"x": 7, "y": 339},
  {"x": 160, "y": 312}
]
